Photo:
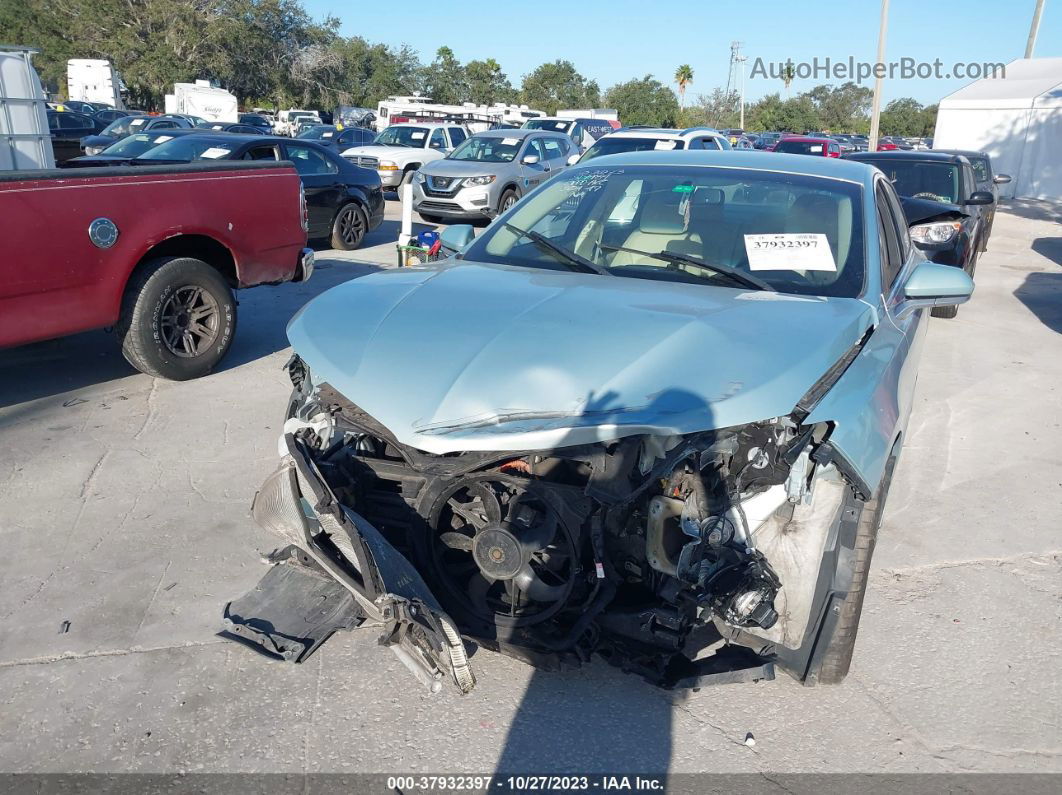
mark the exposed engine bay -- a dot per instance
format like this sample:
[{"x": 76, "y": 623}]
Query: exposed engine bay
[{"x": 687, "y": 559}]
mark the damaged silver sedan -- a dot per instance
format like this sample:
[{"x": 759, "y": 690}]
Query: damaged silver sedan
[{"x": 650, "y": 414}]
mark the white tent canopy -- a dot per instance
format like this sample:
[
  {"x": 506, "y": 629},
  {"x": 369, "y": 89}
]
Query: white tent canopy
[{"x": 1017, "y": 120}]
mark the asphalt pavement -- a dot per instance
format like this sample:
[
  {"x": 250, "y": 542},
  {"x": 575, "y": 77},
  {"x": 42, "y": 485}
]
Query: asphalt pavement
[{"x": 124, "y": 525}]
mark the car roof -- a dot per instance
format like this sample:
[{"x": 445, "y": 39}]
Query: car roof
[
  {"x": 967, "y": 153},
  {"x": 809, "y": 139},
  {"x": 828, "y": 167},
  {"x": 665, "y": 133},
  {"x": 924, "y": 156},
  {"x": 428, "y": 124},
  {"x": 513, "y": 133}
]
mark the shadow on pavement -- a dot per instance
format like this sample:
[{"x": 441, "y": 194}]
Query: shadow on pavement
[
  {"x": 1042, "y": 295},
  {"x": 1033, "y": 209},
  {"x": 53, "y": 367},
  {"x": 1049, "y": 247}
]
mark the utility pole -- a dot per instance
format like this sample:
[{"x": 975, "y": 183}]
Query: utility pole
[
  {"x": 1034, "y": 29},
  {"x": 741, "y": 59},
  {"x": 875, "y": 113},
  {"x": 736, "y": 58}
]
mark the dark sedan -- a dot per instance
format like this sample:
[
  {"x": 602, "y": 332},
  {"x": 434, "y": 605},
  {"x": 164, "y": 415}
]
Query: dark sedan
[
  {"x": 344, "y": 201},
  {"x": 127, "y": 125},
  {"x": 122, "y": 151},
  {"x": 338, "y": 140},
  {"x": 224, "y": 126},
  {"x": 258, "y": 121},
  {"x": 67, "y": 128},
  {"x": 945, "y": 209},
  {"x": 107, "y": 115}
]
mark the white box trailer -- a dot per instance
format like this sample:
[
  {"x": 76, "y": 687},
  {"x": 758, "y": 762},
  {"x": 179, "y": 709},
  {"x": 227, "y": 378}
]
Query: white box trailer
[
  {"x": 93, "y": 80},
  {"x": 203, "y": 100},
  {"x": 607, "y": 114},
  {"x": 25, "y": 142}
]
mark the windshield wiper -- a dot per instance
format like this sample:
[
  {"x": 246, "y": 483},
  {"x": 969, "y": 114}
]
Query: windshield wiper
[
  {"x": 745, "y": 279},
  {"x": 573, "y": 260}
]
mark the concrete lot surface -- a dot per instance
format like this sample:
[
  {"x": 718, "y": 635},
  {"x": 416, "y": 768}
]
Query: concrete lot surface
[{"x": 124, "y": 524}]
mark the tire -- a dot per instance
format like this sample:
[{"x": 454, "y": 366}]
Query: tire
[
  {"x": 837, "y": 658},
  {"x": 160, "y": 300},
  {"x": 348, "y": 227},
  {"x": 507, "y": 200},
  {"x": 946, "y": 312}
]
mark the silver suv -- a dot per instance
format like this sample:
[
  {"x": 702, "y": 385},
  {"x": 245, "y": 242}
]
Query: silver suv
[{"x": 488, "y": 173}]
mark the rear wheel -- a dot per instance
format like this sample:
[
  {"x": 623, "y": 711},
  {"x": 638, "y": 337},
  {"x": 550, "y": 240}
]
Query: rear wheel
[
  {"x": 178, "y": 318},
  {"x": 348, "y": 228},
  {"x": 837, "y": 658}
]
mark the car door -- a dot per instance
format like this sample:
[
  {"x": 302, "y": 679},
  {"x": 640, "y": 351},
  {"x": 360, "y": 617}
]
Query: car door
[
  {"x": 533, "y": 174},
  {"x": 321, "y": 183},
  {"x": 457, "y": 136},
  {"x": 437, "y": 141},
  {"x": 556, "y": 149}
]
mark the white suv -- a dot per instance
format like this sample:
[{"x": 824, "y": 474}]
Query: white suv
[
  {"x": 638, "y": 139},
  {"x": 397, "y": 152}
]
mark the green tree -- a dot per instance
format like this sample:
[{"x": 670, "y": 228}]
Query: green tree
[
  {"x": 683, "y": 77},
  {"x": 644, "y": 101},
  {"x": 444, "y": 78},
  {"x": 929, "y": 121},
  {"x": 718, "y": 109},
  {"x": 487, "y": 83},
  {"x": 557, "y": 85},
  {"x": 840, "y": 108},
  {"x": 788, "y": 76},
  {"x": 904, "y": 117}
]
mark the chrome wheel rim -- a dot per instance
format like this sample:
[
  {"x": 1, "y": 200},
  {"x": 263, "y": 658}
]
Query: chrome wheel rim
[
  {"x": 190, "y": 322},
  {"x": 508, "y": 202}
]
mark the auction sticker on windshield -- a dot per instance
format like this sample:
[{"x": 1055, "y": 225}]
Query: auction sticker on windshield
[
  {"x": 214, "y": 152},
  {"x": 789, "y": 252}
]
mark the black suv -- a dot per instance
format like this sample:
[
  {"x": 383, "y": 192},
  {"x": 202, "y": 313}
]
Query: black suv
[
  {"x": 986, "y": 180},
  {"x": 946, "y": 210}
]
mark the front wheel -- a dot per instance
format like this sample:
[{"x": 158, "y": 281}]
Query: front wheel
[
  {"x": 177, "y": 320},
  {"x": 348, "y": 228},
  {"x": 837, "y": 658},
  {"x": 507, "y": 200}
]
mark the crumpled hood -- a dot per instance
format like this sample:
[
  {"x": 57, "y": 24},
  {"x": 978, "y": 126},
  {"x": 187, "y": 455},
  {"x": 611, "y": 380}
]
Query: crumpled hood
[
  {"x": 482, "y": 357},
  {"x": 919, "y": 210}
]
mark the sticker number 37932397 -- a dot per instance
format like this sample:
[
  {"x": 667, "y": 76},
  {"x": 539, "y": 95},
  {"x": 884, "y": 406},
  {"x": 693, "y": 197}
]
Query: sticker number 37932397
[{"x": 789, "y": 252}]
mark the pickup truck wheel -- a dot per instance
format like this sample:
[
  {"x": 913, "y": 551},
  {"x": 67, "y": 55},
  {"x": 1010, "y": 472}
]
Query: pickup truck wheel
[
  {"x": 838, "y": 655},
  {"x": 348, "y": 228},
  {"x": 178, "y": 317}
]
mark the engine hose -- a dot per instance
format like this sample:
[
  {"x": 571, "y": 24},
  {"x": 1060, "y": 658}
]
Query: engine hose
[{"x": 601, "y": 601}]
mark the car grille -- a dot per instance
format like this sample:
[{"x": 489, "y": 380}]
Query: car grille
[
  {"x": 365, "y": 162},
  {"x": 440, "y": 206},
  {"x": 443, "y": 183}
]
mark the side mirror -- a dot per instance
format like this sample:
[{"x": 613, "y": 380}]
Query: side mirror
[
  {"x": 458, "y": 236},
  {"x": 980, "y": 197},
  {"x": 530, "y": 160},
  {"x": 1001, "y": 179},
  {"x": 932, "y": 284},
  {"x": 573, "y": 159}
]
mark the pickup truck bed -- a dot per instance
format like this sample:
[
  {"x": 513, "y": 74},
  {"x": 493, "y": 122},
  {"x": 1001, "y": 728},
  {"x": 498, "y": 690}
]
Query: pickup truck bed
[{"x": 85, "y": 249}]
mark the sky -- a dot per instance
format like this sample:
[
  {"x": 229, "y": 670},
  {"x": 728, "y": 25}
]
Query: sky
[{"x": 612, "y": 41}]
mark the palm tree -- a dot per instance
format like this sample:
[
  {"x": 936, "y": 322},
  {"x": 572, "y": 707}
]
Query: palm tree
[
  {"x": 788, "y": 73},
  {"x": 683, "y": 76}
]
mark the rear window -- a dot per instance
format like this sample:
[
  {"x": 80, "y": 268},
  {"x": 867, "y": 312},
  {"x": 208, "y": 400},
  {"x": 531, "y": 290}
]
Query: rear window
[
  {"x": 553, "y": 125},
  {"x": 801, "y": 147},
  {"x": 610, "y": 145},
  {"x": 933, "y": 181}
]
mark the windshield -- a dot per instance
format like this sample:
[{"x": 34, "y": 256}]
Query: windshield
[
  {"x": 610, "y": 145},
  {"x": 799, "y": 234},
  {"x": 122, "y": 126},
  {"x": 403, "y": 136},
  {"x": 553, "y": 125},
  {"x": 800, "y": 147},
  {"x": 934, "y": 181},
  {"x": 487, "y": 149},
  {"x": 135, "y": 145},
  {"x": 318, "y": 133},
  {"x": 191, "y": 147}
]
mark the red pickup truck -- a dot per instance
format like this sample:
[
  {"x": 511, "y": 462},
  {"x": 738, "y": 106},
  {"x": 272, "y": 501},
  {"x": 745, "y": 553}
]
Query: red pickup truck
[{"x": 154, "y": 252}]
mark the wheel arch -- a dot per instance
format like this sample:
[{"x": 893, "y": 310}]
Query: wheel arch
[{"x": 201, "y": 247}]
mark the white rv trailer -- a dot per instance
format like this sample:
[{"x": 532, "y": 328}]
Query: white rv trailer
[
  {"x": 203, "y": 100},
  {"x": 397, "y": 110}
]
